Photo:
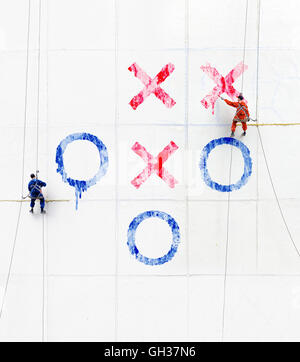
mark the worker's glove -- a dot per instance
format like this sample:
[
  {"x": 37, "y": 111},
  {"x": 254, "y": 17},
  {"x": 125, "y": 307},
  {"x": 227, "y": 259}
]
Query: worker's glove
[{"x": 221, "y": 98}]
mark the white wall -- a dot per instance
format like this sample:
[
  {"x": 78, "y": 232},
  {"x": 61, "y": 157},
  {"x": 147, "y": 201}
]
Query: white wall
[{"x": 93, "y": 288}]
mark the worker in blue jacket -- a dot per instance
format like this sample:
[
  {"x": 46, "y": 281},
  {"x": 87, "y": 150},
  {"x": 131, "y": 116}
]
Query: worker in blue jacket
[{"x": 35, "y": 192}]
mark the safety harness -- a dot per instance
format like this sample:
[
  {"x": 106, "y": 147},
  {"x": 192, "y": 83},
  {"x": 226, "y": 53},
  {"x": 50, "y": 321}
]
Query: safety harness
[
  {"x": 38, "y": 188},
  {"x": 241, "y": 108}
]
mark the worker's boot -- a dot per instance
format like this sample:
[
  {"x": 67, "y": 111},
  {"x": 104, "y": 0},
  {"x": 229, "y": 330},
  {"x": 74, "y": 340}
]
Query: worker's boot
[
  {"x": 244, "y": 133},
  {"x": 232, "y": 134},
  {"x": 43, "y": 211},
  {"x": 31, "y": 210}
]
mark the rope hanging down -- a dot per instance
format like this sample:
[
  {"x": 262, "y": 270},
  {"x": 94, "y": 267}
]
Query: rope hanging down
[
  {"x": 38, "y": 89},
  {"x": 23, "y": 164},
  {"x": 257, "y": 125},
  {"x": 261, "y": 142},
  {"x": 228, "y": 200},
  {"x": 37, "y": 169}
]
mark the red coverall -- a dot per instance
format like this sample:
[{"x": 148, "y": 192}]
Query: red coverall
[{"x": 241, "y": 114}]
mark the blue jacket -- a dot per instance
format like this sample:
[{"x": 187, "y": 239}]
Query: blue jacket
[{"x": 35, "y": 186}]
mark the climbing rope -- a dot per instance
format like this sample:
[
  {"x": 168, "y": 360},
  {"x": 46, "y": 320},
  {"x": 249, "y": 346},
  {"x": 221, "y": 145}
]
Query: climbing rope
[
  {"x": 186, "y": 145},
  {"x": 226, "y": 251},
  {"x": 116, "y": 124},
  {"x": 229, "y": 194},
  {"x": 261, "y": 141},
  {"x": 23, "y": 165},
  {"x": 257, "y": 125},
  {"x": 37, "y": 164},
  {"x": 38, "y": 89},
  {"x": 271, "y": 124},
  {"x": 46, "y": 200},
  {"x": 244, "y": 50}
]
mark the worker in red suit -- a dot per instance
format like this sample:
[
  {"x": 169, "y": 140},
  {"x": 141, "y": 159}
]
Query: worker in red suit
[{"x": 241, "y": 114}]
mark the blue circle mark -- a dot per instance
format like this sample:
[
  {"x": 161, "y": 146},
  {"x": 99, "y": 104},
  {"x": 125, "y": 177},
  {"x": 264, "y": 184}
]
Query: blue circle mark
[
  {"x": 247, "y": 164},
  {"x": 131, "y": 237},
  {"x": 81, "y": 185}
]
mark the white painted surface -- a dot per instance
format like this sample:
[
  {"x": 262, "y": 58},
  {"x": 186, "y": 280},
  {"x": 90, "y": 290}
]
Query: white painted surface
[{"x": 94, "y": 288}]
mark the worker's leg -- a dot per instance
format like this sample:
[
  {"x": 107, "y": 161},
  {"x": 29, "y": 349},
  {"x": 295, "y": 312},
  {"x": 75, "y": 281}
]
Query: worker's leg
[
  {"x": 244, "y": 125},
  {"x": 233, "y": 126},
  {"x": 42, "y": 203},
  {"x": 32, "y": 203}
]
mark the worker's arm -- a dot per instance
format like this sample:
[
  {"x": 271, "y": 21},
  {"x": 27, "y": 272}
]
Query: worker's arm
[
  {"x": 29, "y": 188},
  {"x": 41, "y": 183},
  {"x": 232, "y": 104}
]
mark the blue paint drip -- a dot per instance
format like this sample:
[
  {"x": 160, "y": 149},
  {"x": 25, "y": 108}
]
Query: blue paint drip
[
  {"x": 81, "y": 185},
  {"x": 247, "y": 164},
  {"x": 131, "y": 237}
]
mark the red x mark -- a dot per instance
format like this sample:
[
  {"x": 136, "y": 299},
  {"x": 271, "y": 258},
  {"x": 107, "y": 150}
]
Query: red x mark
[
  {"x": 154, "y": 164},
  {"x": 223, "y": 84},
  {"x": 152, "y": 85}
]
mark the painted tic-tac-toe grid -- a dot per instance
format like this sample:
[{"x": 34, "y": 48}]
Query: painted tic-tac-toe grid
[{"x": 155, "y": 164}]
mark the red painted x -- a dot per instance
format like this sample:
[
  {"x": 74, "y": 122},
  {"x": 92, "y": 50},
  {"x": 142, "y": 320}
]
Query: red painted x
[
  {"x": 154, "y": 164},
  {"x": 223, "y": 84},
  {"x": 152, "y": 85}
]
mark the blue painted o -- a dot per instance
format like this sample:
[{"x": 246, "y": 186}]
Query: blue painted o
[
  {"x": 131, "y": 237},
  {"x": 81, "y": 185},
  {"x": 247, "y": 164}
]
